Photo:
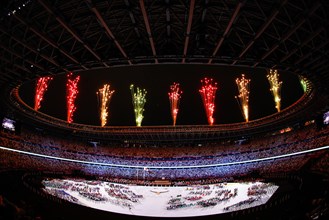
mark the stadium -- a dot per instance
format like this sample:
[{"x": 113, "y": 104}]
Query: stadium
[{"x": 263, "y": 157}]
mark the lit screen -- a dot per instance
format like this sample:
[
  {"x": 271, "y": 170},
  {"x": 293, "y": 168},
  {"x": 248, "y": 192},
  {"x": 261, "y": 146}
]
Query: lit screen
[
  {"x": 326, "y": 118},
  {"x": 8, "y": 124}
]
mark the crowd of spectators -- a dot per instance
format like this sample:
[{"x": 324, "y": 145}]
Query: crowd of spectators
[{"x": 167, "y": 156}]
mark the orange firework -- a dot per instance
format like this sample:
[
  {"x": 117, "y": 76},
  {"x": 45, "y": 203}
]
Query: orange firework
[
  {"x": 243, "y": 97},
  {"x": 273, "y": 79},
  {"x": 104, "y": 96}
]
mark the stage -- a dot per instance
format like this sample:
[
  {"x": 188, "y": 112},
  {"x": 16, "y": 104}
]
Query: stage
[{"x": 164, "y": 201}]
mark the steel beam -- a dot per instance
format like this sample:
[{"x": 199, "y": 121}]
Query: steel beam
[
  {"x": 48, "y": 40},
  {"x": 302, "y": 44},
  {"x": 286, "y": 36},
  {"x": 188, "y": 29},
  {"x": 148, "y": 29},
  {"x": 261, "y": 30},
  {"x": 20, "y": 56},
  {"x": 227, "y": 30},
  {"x": 70, "y": 30},
  {"x": 108, "y": 31}
]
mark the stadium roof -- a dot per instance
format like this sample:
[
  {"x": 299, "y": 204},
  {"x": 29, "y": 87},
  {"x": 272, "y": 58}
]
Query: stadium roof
[{"x": 40, "y": 37}]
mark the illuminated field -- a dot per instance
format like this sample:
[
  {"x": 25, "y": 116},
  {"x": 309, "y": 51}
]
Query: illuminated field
[{"x": 180, "y": 201}]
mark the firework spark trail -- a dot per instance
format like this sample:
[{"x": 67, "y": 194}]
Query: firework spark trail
[
  {"x": 41, "y": 88},
  {"x": 303, "y": 83},
  {"x": 273, "y": 78},
  {"x": 174, "y": 98},
  {"x": 208, "y": 94},
  {"x": 243, "y": 97},
  {"x": 104, "y": 96},
  {"x": 71, "y": 94},
  {"x": 138, "y": 100}
]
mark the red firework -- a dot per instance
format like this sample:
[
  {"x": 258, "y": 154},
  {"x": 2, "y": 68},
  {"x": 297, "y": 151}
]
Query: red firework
[
  {"x": 174, "y": 97},
  {"x": 40, "y": 89},
  {"x": 208, "y": 94},
  {"x": 71, "y": 94}
]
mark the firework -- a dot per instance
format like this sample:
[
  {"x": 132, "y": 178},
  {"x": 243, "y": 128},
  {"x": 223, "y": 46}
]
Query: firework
[
  {"x": 41, "y": 88},
  {"x": 139, "y": 100},
  {"x": 104, "y": 96},
  {"x": 71, "y": 94},
  {"x": 273, "y": 78},
  {"x": 303, "y": 83},
  {"x": 243, "y": 97},
  {"x": 174, "y": 97},
  {"x": 208, "y": 94}
]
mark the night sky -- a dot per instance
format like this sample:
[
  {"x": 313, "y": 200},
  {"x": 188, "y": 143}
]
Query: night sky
[{"x": 156, "y": 79}]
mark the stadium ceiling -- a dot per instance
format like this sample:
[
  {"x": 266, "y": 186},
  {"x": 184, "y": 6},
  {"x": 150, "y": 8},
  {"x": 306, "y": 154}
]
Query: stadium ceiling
[{"x": 42, "y": 37}]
